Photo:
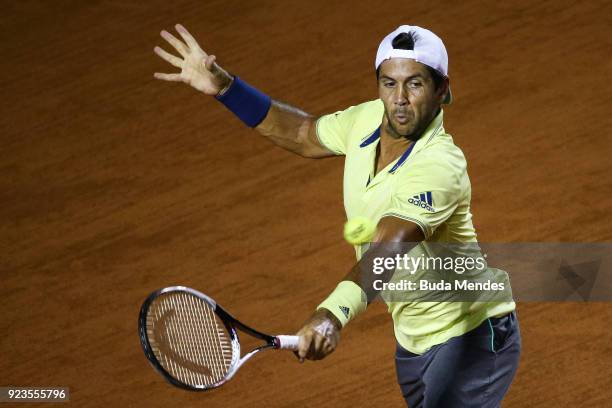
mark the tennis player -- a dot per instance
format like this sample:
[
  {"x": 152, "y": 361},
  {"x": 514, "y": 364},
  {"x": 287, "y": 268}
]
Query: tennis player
[{"x": 404, "y": 171}]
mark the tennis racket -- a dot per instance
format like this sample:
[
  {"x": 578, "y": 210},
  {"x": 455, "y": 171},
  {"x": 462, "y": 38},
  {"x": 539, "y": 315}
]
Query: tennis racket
[{"x": 193, "y": 342}]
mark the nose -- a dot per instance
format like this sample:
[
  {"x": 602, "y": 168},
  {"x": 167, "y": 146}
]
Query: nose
[{"x": 400, "y": 96}]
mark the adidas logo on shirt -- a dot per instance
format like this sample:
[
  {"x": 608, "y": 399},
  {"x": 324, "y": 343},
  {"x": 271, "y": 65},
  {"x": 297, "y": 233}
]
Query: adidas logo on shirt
[
  {"x": 423, "y": 200},
  {"x": 345, "y": 310}
]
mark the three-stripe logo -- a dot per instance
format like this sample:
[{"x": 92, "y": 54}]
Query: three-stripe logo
[{"x": 423, "y": 200}]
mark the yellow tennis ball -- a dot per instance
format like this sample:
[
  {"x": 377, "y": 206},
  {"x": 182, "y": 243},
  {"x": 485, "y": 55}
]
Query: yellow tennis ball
[{"x": 359, "y": 230}]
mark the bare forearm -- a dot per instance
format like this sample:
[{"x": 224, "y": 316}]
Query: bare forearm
[
  {"x": 287, "y": 127},
  {"x": 362, "y": 273},
  {"x": 393, "y": 237},
  {"x": 292, "y": 129}
]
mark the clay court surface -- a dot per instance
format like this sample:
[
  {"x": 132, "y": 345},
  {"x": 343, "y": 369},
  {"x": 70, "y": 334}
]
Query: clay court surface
[{"x": 114, "y": 184}]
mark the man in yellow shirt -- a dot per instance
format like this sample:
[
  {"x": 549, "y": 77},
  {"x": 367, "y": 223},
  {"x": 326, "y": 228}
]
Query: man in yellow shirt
[{"x": 403, "y": 171}]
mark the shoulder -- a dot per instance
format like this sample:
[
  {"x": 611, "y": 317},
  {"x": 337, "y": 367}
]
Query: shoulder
[
  {"x": 373, "y": 107},
  {"x": 350, "y": 125},
  {"x": 340, "y": 131},
  {"x": 442, "y": 151},
  {"x": 440, "y": 161},
  {"x": 366, "y": 113},
  {"x": 367, "y": 118}
]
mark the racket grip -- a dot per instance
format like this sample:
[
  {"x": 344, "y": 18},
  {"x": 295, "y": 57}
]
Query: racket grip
[{"x": 287, "y": 342}]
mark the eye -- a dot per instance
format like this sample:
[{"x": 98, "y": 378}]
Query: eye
[
  {"x": 415, "y": 84},
  {"x": 388, "y": 84}
]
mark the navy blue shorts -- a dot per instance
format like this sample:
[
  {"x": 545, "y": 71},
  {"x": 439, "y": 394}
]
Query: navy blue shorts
[{"x": 472, "y": 370}]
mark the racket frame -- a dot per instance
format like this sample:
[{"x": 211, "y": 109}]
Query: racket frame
[{"x": 230, "y": 323}]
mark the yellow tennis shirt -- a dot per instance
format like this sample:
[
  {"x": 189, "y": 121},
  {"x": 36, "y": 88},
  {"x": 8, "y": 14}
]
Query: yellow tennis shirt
[{"x": 427, "y": 185}]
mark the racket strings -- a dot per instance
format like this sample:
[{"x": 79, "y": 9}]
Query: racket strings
[{"x": 188, "y": 339}]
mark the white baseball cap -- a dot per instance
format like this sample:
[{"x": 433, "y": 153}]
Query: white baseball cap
[{"x": 428, "y": 50}]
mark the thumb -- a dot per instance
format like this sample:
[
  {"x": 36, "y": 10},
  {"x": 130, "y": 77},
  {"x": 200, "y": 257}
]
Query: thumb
[{"x": 304, "y": 346}]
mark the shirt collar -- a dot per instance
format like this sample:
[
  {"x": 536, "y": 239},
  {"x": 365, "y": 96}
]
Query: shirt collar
[{"x": 432, "y": 130}]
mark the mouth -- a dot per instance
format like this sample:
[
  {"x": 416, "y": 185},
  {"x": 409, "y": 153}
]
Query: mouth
[{"x": 401, "y": 117}]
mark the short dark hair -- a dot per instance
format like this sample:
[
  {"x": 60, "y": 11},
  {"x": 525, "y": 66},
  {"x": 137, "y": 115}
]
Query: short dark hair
[{"x": 405, "y": 41}]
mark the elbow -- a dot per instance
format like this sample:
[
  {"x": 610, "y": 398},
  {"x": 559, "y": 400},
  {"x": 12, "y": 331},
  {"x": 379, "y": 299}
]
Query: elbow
[
  {"x": 307, "y": 142},
  {"x": 307, "y": 152}
]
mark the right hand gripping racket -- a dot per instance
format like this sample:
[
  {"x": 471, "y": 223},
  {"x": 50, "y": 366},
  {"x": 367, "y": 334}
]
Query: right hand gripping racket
[{"x": 192, "y": 342}]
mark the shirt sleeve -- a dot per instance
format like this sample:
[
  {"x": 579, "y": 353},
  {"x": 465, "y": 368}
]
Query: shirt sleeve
[
  {"x": 333, "y": 130},
  {"x": 427, "y": 195}
]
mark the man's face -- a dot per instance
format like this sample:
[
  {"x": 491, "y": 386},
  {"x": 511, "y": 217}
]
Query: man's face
[{"x": 409, "y": 95}]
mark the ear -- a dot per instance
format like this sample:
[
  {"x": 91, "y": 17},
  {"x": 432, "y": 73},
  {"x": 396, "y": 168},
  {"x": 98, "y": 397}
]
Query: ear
[{"x": 442, "y": 90}]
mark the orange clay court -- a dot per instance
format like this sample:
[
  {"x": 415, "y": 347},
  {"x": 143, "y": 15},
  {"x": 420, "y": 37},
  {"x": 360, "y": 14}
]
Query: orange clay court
[{"x": 114, "y": 184}]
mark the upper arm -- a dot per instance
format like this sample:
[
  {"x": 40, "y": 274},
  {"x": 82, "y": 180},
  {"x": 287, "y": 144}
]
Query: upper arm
[
  {"x": 311, "y": 145},
  {"x": 328, "y": 135},
  {"x": 332, "y": 131},
  {"x": 293, "y": 129},
  {"x": 307, "y": 135},
  {"x": 393, "y": 229}
]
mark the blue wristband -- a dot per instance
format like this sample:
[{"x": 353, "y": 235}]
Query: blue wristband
[{"x": 249, "y": 104}]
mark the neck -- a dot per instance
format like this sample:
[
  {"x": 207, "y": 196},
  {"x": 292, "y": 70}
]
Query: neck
[{"x": 390, "y": 148}]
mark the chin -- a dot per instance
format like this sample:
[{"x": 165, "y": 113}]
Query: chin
[{"x": 403, "y": 131}]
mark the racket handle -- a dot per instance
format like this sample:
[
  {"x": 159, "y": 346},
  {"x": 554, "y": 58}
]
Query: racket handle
[{"x": 287, "y": 342}]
